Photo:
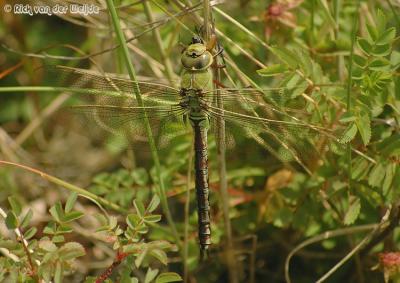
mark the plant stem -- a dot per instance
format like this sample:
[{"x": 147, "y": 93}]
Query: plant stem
[
  {"x": 132, "y": 75},
  {"x": 156, "y": 34},
  {"x": 96, "y": 199},
  {"x": 349, "y": 84},
  {"x": 223, "y": 184}
]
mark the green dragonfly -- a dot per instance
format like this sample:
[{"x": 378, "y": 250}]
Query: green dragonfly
[{"x": 251, "y": 112}]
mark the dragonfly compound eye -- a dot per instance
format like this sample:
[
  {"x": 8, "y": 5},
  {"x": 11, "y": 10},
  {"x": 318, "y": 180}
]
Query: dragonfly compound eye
[{"x": 196, "y": 57}]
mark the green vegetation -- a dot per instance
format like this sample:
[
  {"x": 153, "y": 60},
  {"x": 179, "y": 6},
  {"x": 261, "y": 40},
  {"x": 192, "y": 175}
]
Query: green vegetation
[{"x": 304, "y": 185}]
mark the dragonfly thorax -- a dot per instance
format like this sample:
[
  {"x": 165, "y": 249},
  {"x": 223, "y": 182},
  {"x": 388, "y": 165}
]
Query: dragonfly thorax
[{"x": 194, "y": 104}]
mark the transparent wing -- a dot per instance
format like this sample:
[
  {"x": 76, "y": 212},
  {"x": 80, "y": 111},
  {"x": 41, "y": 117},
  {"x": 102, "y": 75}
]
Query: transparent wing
[
  {"x": 109, "y": 102},
  {"x": 284, "y": 131}
]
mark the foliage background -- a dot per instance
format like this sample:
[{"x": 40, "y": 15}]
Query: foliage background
[{"x": 273, "y": 206}]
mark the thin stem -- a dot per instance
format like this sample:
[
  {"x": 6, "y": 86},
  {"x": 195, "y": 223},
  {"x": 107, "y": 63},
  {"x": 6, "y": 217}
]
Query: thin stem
[
  {"x": 94, "y": 198},
  {"x": 187, "y": 210},
  {"x": 157, "y": 37},
  {"x": 230, "y": 253},
  {"x": 349, "y": 85},
  {"x": 24, "y": 242},
  {"x": 132, "y": 75}
]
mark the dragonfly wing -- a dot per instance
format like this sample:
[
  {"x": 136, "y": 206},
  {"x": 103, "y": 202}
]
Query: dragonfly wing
[
  {"x": 110, "y": 107},
  {"x": 282, "y": 131}
]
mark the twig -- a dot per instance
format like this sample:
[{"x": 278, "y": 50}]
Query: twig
[
  {"x": 107, "y": 273},
  {"x": 327, "y": 235}
]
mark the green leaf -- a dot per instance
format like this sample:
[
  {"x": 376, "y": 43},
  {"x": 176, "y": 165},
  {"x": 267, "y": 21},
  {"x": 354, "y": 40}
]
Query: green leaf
[
  {"x": 139, "y": 207},
  {"x": 386, "y": 37},
  {"x": 168, "y": 277},
  {"x": 11, "y": 220},
  {"x": 71, "y": 250},
  {"x": 353, "y": 211},
  {"x": 286, "y": 56},
  {"x": 152, "y": 218},
  {"x": 70, "y": 202},
  {"x": 364, "y": 45},
  {"x": 272, "y": 70},
  {"x": 150, "y": 275},
  {"x": 349, "y": 133},
  {"x": 360, "y": 60},
  {"x": 140, "y": 258},
  {"x": 160, "y": 255},
  {"x": 381, "y": 50},
  {"x": 376, "y": 176},
  {"x": 50, "y": 228},
  {"x": 373, "y": 33},
  {"x": 389, "y": 174},
  {"x": 58, "y": 274},
  {"x": 364, "y": 127},
  {"x": 57, "y": 212},
  {"x": 347, "y": 117},
  {"x": 27, "y": 218},
  {"x": 379, "y": 64},
  {"x": 155, "y": 201},
  {"x": 30, "y": 233},
  {"x": 15, "y": 205},
  {"x": 58, "y": 239},
  {"x": 112, "y": 222},
  {"x": 381, "y": 21},
  {"x": 71, "y": 216},
  {"x": 47, "y": 245},
  {"x": 133, "y": 220}
]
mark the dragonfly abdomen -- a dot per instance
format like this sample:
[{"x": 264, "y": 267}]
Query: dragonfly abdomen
[{"x": 202, "y": 189}]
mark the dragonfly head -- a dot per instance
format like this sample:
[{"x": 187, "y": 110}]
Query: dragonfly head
[{"x": 196, "y": 57}]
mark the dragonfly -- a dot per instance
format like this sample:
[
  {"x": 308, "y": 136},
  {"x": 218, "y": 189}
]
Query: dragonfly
[{"x": 254, "y": 113}]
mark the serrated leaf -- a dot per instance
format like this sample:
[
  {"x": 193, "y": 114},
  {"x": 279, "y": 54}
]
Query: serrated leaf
[
  {"x": 154, "y": 203},
  {"x": 160, "y": 255},
  {"x": 150, "y": 275},
  {"x": 69, "y": 205},
  {"x": 349, "y": 133},
  {"x": 353, "y": 212},
  {"x": 27, "y": 218},
  {"x": 168, "y": 277},
  {"x": 360, "y": 168},
  {"x": 386, "y": 37},
  {"x": 376, "y": 176},
  {"x": 15, "y": 205},
  {"x": 286, "y": 56},
  {"x": 11, "y": 220},
  {"x": 347, "y": 117},
  {"x": 152, "y": 218},
  {"x": 71, "y": 250},
  {"x": 389, "y": 174},
  {"x": 364, "y": 45},
  {"x": 30, "y": 233},
  {"x": 273, "y": 70},
  {"x": 71, "y": 216},
  {"x": 364, "y": 127}
]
